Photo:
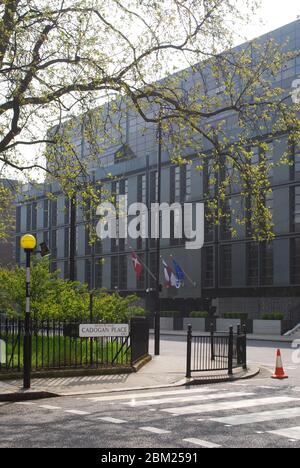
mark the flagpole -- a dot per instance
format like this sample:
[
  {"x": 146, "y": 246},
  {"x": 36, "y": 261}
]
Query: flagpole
[
  {"x": 157, "y": 311},
  {"x": 188, "y": 277}
]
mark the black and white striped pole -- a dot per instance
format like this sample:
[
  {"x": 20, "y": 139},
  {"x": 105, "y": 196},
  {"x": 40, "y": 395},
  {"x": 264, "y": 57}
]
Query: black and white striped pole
[{"x": 28, "y": 243}]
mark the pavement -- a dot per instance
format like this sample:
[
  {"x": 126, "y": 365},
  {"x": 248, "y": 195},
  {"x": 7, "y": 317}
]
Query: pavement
[{"x": 160, "y": 372}]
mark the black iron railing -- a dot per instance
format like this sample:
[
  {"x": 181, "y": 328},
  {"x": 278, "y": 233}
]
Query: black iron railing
[
  {"x": 216, "y": 351},
  {"x": 57, "y": 345}
]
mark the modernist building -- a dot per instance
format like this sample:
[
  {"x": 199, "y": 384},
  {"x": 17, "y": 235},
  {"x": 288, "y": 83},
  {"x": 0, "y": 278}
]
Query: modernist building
[{"x": 237, "y": 274}]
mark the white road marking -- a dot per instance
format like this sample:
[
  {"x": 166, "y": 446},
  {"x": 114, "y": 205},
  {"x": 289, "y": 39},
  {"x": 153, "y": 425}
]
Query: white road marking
[
  {"x": 154, "y": 430},
  {"x": 79, "y": 413},
  {"x": 49, "y": 407},
  {"x": 289, "y": 433},
  {"x": 130, "y": 396},
  {"x": 250, "y": 418},
  {"x": 228, "y": 405},
  {"x": 25, "y": 403},
  {"x": 113, "y": 420},
  {"x": 202, "y": 443},
  {"x": 218, "y": 396}
]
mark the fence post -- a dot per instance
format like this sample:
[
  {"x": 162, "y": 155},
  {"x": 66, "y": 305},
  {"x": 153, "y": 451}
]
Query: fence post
[
  {"x": 189, "y": 352},
  {"x": 212, "y": 344},
  {"x": 245, "y": 347},
  {"x": 230, "y": 352}
]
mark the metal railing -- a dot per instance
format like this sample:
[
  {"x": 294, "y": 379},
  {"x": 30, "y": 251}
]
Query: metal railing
[
  {"x": 216, "y": 351},
  {"x": 57, "y": 345}
]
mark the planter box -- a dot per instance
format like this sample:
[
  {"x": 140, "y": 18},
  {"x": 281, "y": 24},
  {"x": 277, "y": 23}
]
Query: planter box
[
  {"x": 166, "y": 323},
  {"x": 224, "y": 324},
  {"x": 267, "y": 327},
  {"x": 198, "y": 324}
]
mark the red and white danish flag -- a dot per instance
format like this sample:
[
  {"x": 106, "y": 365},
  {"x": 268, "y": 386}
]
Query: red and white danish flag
[{"x": 138, "y": 267}]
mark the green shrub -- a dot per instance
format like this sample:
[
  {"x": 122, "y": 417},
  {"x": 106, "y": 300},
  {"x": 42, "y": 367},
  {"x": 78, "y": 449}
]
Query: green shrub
[
  {"x": 237, "y": 316},
  {"x": 55, "y": 298},
  {"x": 170, "y": 313},
  {"x": 273, "y": 316},
  {"x": 200, "y": 314}
]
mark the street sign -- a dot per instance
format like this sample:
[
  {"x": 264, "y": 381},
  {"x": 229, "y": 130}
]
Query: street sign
[
  {"x": 2, "y": 352},
  {"x": 103, "y": 330}
]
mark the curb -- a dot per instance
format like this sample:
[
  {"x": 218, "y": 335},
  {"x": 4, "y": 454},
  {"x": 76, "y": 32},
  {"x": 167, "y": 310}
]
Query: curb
[
  {"x": 252, "y": 372},
  {"x": 15, "y": 397},
  {"x": 25, "y": 396}
]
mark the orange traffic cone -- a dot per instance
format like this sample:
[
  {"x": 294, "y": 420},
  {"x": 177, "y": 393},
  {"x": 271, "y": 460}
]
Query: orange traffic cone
[{"x": 279, "y": 371}]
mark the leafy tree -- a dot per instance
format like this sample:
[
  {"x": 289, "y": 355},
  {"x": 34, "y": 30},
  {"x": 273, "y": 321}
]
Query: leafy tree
[
  {"x": 64, "y": 59},
  {"x": 54, "y": 298}
]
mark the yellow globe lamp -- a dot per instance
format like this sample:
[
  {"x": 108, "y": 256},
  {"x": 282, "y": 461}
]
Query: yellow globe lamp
[{"x": 28, "y": 242}]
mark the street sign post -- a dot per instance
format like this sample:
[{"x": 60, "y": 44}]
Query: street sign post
[{"x": 103, "y": 330}]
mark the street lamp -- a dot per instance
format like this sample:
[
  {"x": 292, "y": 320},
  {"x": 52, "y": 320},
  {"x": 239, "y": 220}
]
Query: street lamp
[{"x": 28, "y": 243}]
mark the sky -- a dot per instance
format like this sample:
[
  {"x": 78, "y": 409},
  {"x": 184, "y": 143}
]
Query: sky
[{"x": 272, "y": 15}]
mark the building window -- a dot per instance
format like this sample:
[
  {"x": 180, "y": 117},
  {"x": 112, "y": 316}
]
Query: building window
[
  {"x": 295, "y": 209},
  {"x": 208, "y": 267},
  {"x": 141, "y": 283},
  {"x": 34, "y": 216},
  {"x": 67, "y": 210},
  {"x": 98, "y": 273},
  {"x": 252, "y": 264},
  {"x": 54, "y": 213},
  {"x": 141, "y": 198},
  {"x": 123, "y": 273},
  {"x": 88, "y": 273},
  {"x": 88, "y": 248},
  {"x": 54, "y": 244},
  {"x": 66, "y": 270},
  {"x": 119, "y": 188},
  {"x": 267, "y": 263},
  {"x": 296, "y": 161},
  {"x": 295, "y": 261},
  {"x": 225, "y": 227},
  {"x": 154, "y": 187},
  {"x": 226, "y": 265},
  {"x": 18, "y": 219},
  {"x": 180, "y": 183},
  {"x": 153, "y": 198},
  {"x": 153, "y": 269},
  {"x": 46, "y": 214},
  {"x": 114, "y": 273},
  {"x": 28, "y": 217},
  {"x": 67, "y": 243}
]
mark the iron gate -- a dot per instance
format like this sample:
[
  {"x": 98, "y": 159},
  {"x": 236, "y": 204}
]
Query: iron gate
[{"x": 216, "y": 351}]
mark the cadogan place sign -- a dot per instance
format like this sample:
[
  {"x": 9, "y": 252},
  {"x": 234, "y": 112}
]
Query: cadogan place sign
[{"x": 113, "y": 330}]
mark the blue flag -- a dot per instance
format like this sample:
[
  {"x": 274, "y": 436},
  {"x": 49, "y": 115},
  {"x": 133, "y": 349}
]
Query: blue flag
[{"x": 179, "y": 273}]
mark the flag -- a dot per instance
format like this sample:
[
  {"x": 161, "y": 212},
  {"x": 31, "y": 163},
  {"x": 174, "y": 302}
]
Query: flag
[
  {"x": 179, "y": 273},
  {"x": 138, "y": 267},
  {"x": 170, "y": 277}
]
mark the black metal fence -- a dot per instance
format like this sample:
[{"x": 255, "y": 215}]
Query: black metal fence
[
  {"x": 216, "y": 351},
  {"x": 57, "y": 345}
]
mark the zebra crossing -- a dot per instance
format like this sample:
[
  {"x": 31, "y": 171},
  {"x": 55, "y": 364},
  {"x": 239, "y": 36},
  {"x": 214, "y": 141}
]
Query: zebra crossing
[
  {"x": 261, "y": 409},
  {"x": 206, "y": 417}
]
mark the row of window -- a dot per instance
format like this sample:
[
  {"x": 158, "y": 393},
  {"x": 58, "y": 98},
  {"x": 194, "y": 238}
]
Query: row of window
[{"x": 259, "y": 265}]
